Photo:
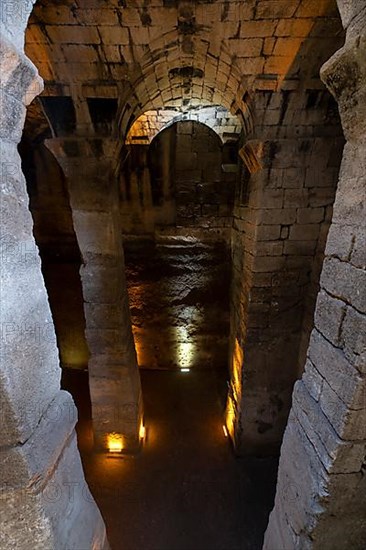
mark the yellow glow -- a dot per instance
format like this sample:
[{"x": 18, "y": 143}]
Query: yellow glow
[
  {"x": 225, "y": 431},
  {"x": 235, "y": 391},
  {"x": 115, "y": 443},
  {"x": 186, "y": 349},
  {"x": 142, "y": 431},
  {"x": 230, "y": 416}
]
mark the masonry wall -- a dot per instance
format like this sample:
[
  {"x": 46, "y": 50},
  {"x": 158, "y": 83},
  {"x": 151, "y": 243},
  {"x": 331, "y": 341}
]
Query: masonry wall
[
  {"x": 281, "y": 219},
  {"x": 321, "y": 493},
  {"x": 184, "y": 181}
]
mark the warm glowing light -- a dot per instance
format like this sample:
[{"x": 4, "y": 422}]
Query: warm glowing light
[
  {"x": 186, "y": 349},
  {"x": 115, "y": 443},
  {"x": 235, "y": 390},
  {"x": 225, "y": 431},
  {"x": 142, "y": 431}
]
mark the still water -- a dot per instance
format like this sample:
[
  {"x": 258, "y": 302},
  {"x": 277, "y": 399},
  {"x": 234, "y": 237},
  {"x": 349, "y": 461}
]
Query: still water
[{"x": 179, "y": 301}]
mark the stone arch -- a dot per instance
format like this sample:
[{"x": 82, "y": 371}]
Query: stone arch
[
  {"x": 173, "y": 78},
  {"x": 184, "y": 178},
  {"x": 147, "y": 126}
]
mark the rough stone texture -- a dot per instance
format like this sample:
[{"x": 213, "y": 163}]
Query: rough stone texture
[
  {"x": 176, "y": 55},
  {"x": 184, "y": 181},
  {"x": 321, "y": 492},
  {"x": 38, "y": 446},
  {"x": 105, "y": 65},
  {"x": 113, "y": 375},
  {"x": 281, "y": 219},
  {"x": 219, "y": 119}
]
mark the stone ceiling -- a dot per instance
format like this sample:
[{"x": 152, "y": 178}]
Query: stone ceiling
[{"x": 145, "y": 55}]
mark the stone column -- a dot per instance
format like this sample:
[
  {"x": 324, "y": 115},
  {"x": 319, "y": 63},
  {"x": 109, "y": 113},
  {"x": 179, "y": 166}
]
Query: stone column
[
  {"x": 44, "y": 501},
  {"x": 321, "y": 489},
  {"x": 113, "y": 372},
  {"x": 282, "y": 212}
]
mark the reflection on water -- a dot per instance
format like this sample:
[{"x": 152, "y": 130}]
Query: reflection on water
[{"x": 179, "y": 300}]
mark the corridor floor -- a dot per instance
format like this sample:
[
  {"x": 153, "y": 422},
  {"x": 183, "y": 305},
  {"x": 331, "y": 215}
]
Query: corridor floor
[{"x": 185, "y": 490}]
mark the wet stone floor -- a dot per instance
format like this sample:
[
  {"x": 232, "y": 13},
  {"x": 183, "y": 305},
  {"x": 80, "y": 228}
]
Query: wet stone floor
[
  {"x": 179, "y": 301},
  {"x": 185, "y": 490}
]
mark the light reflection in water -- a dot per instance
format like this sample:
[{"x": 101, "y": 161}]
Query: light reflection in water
[
  {"x": 185, "y": 349},
  {"x": 179, "y": 304}
]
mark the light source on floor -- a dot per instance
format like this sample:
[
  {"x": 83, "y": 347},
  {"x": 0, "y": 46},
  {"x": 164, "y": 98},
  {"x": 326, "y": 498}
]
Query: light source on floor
[
  {"x": 185, "y": 369},
  {"x": 114, "y": 443},
  {"x": 224, "y": 429}
]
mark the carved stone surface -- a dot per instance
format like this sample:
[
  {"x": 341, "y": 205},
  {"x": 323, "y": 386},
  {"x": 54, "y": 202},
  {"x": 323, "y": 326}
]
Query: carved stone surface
[
  {"x": 40, "y": 463},
  {"x": 321, "y": 496},
  {"x": 113, "y": 372}
]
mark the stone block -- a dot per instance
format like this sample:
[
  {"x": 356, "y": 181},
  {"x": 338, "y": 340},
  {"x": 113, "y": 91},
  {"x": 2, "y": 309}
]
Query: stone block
[
  {"x": 322, "y": 196},
  {"x": 267, "y": 232},
  {"x": 334, "y": 367},
  {"x": 353, "y": 332},
  {"x": 255, "y": 29},
  {"x": 115, "y": 405},
  {"x": 285, "y": 46},
  {"x": 270, "y": 198},
  {"x": 283, "y": 216},
  {"x": 101, "y": 284},
  {"x": 106, "y": 341},
  {"x": 294, "y": 27},
  {"x": 349, "y": 424},
  {"x": 293, "y": 178},
  {"x": 268, "y": 263},
  {"x": 271, "y": 248},
  {"x": 296, "y": 198},
  {"x": 114, "y": 35},
  {"x": 329, "y": 315},
  {"x": 346, "y": 282},
  {"x": 95, "y": 232},
  {"x": 299, "y": 248},
  {"x": 71, "y": 34},
  {"x": 249, "y": 48},
  {"x": 336, "y": 455},
  {"x": 358, "y": 256},
  {"x": 310, "y": 215},
  {"x": 312, "y": 380},
  {"x": 267, "y": 9},
  {"x": 107, "y": 316},
  {"x": 304, "y": 232}
]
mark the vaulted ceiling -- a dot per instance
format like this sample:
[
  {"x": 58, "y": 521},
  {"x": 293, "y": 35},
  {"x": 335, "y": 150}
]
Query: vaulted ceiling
[{"x": 105, "y": 57}]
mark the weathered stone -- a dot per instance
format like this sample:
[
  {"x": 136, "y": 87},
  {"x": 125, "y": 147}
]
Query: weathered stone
[
  {"x": 38, "y": 439},
  {"x": 334, "y": 376}
]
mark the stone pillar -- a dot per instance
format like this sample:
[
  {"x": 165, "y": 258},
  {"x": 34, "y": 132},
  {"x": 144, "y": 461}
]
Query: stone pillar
[
  {"x": 321, "y": 489},
  {"x": 282, "y": 211},
  {"x": 113, "y": 372},
  {"x": 44, "y": 501}
]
